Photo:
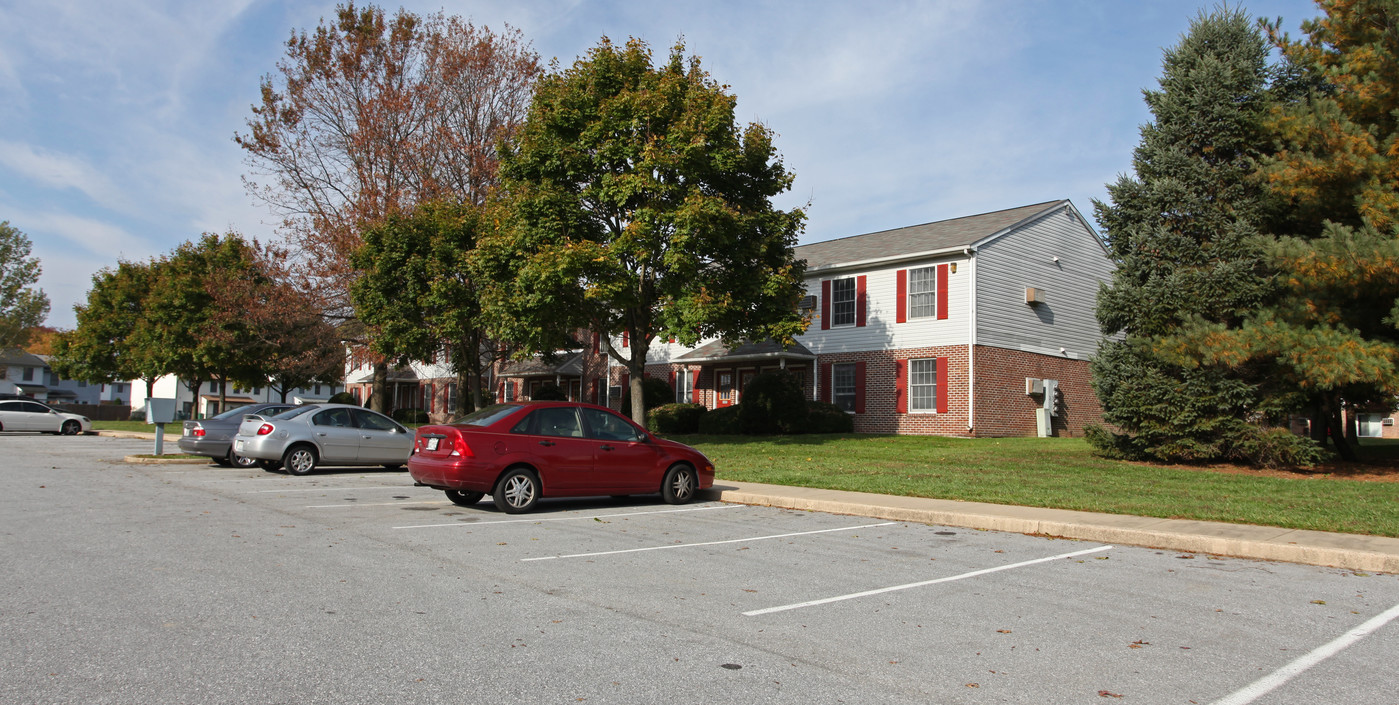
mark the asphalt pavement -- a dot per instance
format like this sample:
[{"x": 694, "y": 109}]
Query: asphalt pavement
[{"x": 1376, "y": 554}]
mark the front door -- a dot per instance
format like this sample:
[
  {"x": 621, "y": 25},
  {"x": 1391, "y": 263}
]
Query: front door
[
  {"x": 724, "y": 388},
  {"x": 743, "y": 377},
  {"x": 623, "y": 461}
]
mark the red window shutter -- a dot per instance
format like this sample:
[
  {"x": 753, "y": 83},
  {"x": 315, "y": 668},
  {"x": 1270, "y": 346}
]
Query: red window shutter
[
  {"x": 860, "y": 386},
  {"x": 860, "y": 301},
  {"x": 825, "y": 383},
  {"x": 592, "y": 391},
  {"x": 942, "y": 385},
  {"x": 902, "y": 276},
  {"x": 597, "y": 343},
  {"x": 826, "y": 304},
  {"x": 695, "y": 387},
  {"x": 672, "y": 379},
  {"x": 672, "y": 339},
  {"x": 942, "y": 294},
  {"x": 626, "y": 385},
  {"x": 901, "y": 387},
  {"x": 500, "y": 393},
  {"x": 626, "y": 338}
]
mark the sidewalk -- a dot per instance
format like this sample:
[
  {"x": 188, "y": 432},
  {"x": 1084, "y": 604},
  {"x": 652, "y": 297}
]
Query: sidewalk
[
  {"x": 1349, "y": 551},
  {"x": 1375, "y": 554}
]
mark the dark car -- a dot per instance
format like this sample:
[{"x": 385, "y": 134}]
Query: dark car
[
  {"x": 519, "y": 452},
  {"x": 214, "y": 436}
]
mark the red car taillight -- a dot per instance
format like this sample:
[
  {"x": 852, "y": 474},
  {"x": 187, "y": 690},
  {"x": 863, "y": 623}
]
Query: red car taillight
[
  {"x": 264, "y": 429},
  {"x": 197, "y": 433},
  {"x": 459, "y": 445}
]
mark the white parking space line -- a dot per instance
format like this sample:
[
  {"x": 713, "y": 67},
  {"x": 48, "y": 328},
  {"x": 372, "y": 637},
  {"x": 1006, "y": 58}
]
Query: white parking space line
[
  {"x": 705, "y": 543},
  {"x": 1264, "y": 685},
  {"x": 337, "y": 489},
  {"x": 367, "y": 504},
  {"x": 908, "y": 586},
  {"x": 577, "y": 518}
]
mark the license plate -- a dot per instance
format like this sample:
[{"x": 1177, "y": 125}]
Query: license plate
[
  {"x": 238, "y": 445},
  {"x": 432, "y": 443}
]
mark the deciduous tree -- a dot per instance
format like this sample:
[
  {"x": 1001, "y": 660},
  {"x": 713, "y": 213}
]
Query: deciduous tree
[
  {"x": 113, "y": 340},
  {"x": 638, "y": 207},
  {"x": 369, "y": 115},
  {"x": 22, "y": 305},
  {"x": 419, "y": 295}
]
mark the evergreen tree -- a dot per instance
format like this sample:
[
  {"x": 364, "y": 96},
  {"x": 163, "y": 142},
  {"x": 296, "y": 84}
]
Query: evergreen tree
[
  {"x": 1335, "y": 332},
  {"x": 1184, "y": 232}
]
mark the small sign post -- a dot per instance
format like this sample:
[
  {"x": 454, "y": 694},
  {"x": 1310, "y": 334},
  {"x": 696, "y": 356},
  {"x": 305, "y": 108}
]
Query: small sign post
[{"x": 160, "y": 412}]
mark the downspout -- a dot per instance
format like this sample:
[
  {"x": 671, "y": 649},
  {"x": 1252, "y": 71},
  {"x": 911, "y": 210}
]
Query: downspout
[{"x": 971, "y": 344}]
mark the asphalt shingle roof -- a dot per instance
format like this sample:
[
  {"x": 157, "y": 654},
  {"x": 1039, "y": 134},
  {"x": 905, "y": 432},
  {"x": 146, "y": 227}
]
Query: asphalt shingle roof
[{"x": 943, "y": 234}]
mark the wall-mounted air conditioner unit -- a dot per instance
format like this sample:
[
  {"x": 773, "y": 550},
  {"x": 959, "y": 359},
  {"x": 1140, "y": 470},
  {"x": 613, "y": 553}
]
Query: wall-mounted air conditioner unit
[
  {"x": 1034, "y": 386},
  {"x": 1034, "y": 296}
]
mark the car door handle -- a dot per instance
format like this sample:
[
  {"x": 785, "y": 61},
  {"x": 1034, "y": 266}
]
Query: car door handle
[
  {"x": 322, "y": 435},
  {"x": 607, "y": 448},
  {"x": 546, "y": 443},
  {"x": 367, "y": 438}
]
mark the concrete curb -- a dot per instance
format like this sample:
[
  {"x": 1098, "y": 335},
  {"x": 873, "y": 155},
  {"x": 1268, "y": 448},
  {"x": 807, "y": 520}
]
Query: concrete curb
[
  {"x": 138, "y": 460},
  {"x": 1347, "y": 551}
]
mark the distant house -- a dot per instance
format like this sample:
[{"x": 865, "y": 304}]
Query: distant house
[
  {"x": 24, "y": 375},
  {"x": 206, "y": 402}
]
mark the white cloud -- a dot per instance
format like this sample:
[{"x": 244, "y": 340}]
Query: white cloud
[{"x": 60, "y": 171}]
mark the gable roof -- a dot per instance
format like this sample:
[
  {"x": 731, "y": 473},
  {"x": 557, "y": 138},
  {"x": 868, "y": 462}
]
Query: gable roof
[{"x": 939, "y": 236}]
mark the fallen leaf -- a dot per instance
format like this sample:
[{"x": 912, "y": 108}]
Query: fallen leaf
[
  {"x": 1108, "y": 694},
  {"x": 1002, "y": 631}
]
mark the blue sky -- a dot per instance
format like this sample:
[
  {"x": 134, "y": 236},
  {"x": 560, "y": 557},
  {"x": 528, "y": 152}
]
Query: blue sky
[{"x": 117, "y": 118}]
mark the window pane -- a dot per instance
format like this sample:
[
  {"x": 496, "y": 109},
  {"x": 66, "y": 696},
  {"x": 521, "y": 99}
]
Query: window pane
[
  {"x": 843, "y": 302},
  {"x": 922, "y": 292},
  {"x": 843, "y": 386},
  {"x": 922, "y": 385}
]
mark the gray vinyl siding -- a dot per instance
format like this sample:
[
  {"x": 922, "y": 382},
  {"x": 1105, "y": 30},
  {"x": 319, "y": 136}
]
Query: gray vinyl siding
[{"x": 1024, "y": 258}]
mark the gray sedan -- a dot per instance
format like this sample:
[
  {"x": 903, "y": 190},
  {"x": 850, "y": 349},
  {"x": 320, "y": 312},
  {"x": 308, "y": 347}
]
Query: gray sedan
[
  {"x": 214, "y": 436},
  {"x": 323, "y": 434}
]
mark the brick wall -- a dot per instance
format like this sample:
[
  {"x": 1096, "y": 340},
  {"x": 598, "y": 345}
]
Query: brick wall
[
  {"x": 881, "y": 414},
  {"x": 1003, "y": 408}
]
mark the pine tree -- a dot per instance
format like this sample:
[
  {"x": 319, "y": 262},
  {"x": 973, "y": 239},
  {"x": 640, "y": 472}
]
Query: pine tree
[
  {"x": 1184, "y": 232},
  {"x": 1335, "y": 331}
]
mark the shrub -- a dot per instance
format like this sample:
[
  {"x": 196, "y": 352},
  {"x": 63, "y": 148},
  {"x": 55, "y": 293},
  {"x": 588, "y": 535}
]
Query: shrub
[
  {"x": 137, "y": 415},
  {"x": 1273, "y": 447},
  {"x": 722, "y": 421},
  {"x": 773, "y": 403},
  {"x": 410, "y": 416},
  {"x": 654, "y": 392},
  {"x": 675, "y": 418},
  {"x": 549, "y": 392},
  {"x": 342, "y": 398},
  {"x": 824, "y": 417}
]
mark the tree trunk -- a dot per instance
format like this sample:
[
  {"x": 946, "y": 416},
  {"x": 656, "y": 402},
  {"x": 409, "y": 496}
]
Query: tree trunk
[
  {"x": 638, "y": 397},
  {"x": 379, "y": 391}
]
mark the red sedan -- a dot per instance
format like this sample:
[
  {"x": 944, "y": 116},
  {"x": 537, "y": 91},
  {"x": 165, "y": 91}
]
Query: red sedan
[{"x": 519, "y": 452}]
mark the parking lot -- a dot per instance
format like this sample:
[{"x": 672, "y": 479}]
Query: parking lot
[{"x": 194, "y": 583}]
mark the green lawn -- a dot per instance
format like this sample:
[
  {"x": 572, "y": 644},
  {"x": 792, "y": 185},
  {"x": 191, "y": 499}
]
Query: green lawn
[{"x": 1058, "y": 473}]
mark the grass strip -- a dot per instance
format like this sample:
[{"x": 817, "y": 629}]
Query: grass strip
[{"x": 1057, "y": 473}]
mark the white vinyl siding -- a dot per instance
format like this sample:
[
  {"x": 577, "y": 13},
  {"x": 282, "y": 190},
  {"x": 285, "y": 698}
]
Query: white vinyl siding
[
  {"x": 923, "y": 385},
  {"x": 1058, "y": 255},
  {"x": 922, "y": 292}
]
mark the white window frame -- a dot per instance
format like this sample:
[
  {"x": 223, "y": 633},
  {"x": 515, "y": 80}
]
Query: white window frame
[
  {"x": 836, "y": 390},
  {"x": 684, "y": 386},
  {"x": 923, "y": 292},
  {"x": 922, "y": 394},
  {"x": 837, "y": 302}
]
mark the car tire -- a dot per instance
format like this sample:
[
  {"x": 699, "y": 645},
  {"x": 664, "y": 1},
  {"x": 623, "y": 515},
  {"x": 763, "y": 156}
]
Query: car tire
[
  {"x": 463, "y": 498},
  {"x": 270, "y": 465},
  {"x": 70, "y": 428},
  {"x": 240, "y": 461},
  {"x": 679, "y": 484},
  {"x": 221, "y": 462},
  {"x": 299, "y": 460},
  {"x": 516, "y": 492}
]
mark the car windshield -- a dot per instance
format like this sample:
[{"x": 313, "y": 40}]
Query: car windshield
[
  {"x": 293, "y": 413},
  {"x": 486, "y": 416},
  {"x": 231, "y": 413}
]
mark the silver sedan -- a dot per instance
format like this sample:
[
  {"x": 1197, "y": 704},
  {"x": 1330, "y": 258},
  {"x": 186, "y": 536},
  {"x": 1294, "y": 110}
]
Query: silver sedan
[{"x": 305, "y": 437}]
